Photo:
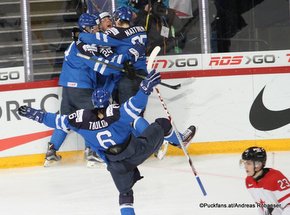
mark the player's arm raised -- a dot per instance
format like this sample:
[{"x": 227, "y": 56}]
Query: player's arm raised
[{"x": 132, "y": 108}]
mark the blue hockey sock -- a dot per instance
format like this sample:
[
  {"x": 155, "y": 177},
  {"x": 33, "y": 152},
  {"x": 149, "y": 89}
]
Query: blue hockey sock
[
  {"x": 140, "y": 124},
  {"x": 127, "y": 210},
  {"x": 172, "y": 138},
  {"x": 57, "y": 138}
]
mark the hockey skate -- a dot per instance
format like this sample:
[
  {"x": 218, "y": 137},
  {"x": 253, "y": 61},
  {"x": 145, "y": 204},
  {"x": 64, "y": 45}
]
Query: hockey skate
[
  {"x": 51, "y": 158},
  {"x": 188, "y": 135},
  {"x": 93, "y": 159},
  {"x": 161, "y": 152},
  {"x": 186, "y": 140}
]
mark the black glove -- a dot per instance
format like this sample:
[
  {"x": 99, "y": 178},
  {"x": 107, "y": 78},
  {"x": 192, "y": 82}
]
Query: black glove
[
  {"x": 75, "y": 34},
  {"x": 150, "y": 82},
  {"x": 87, "y": 49},
  {"x": 31, "y": 113},
  {"x": 130, "y": 71}
]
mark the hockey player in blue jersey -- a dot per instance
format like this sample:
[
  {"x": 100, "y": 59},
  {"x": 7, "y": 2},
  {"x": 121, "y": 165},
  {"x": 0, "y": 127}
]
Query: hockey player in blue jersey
[
  {"x": 122, "y": 37},
  {"x": 108, "y": 130},
  {"x": 78, "y": 81}
]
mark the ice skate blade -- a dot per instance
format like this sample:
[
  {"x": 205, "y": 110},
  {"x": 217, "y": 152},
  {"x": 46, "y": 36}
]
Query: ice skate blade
[{"x": 50, "y": 163}]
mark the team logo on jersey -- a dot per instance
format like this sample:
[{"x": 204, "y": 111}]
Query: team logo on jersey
[{"x": 264, "y": 119}]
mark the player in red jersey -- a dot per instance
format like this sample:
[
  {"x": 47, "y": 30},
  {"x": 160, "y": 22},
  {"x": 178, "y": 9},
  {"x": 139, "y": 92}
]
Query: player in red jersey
[{"x": 269, "y": 187}]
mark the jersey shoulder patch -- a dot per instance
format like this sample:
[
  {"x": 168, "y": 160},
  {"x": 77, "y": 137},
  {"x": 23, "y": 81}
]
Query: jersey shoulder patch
[{"x": 81, "y": 118}]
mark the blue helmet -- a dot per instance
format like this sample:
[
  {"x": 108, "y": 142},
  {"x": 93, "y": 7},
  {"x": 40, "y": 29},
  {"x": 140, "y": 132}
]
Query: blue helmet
[
  {"x": 123, "y": 13},
  {"x": 86, "y": 20},
  {"x": 101, "y": 98}
]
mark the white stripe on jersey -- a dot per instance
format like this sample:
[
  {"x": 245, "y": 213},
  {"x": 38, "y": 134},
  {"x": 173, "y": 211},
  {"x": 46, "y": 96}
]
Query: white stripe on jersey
[
  {"x": 105, "y": 38},
  {"x": 103, "y": 67},
  {"x": 119, "y": 60},
  {"x": 59, "y": 122},
  {"x": 58, "y": 125},
  {"x": 96, "y": 67},
  {"x": 98, "y": 36},
  {"x": 129, "y": 111},
  {"x": 66, "y": 53},
  {"x": 138, "y": 110}
]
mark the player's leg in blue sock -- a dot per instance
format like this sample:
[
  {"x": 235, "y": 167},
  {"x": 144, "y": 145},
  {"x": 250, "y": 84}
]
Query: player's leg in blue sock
[
  {"x": 126, "y": 201},
  {"x": 57, "y": 138}
]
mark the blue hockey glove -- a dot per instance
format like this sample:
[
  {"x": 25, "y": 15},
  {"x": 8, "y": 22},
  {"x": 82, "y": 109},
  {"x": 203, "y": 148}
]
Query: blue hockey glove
[
  {"x": 150, "y": 82},
  {"x": 137, "y": 51},
  {"x": 31, "y": 113}
]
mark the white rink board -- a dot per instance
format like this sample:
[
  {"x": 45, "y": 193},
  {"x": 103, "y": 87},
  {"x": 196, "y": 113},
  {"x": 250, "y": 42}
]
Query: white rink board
[{"x": 219, "y": 106}]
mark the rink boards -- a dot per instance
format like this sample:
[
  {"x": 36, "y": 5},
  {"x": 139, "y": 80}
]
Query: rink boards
[{"x": 217, "y": 95}]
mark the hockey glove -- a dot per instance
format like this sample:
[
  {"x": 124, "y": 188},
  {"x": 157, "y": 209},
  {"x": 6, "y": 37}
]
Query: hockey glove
[
  {"x": 86, "y": 49},
  {"x": 31, "y": 113},
  {"x": 137, "y": 51},
  {"x": 150, "y": 82},
  {"x": 130, "y": 71}
]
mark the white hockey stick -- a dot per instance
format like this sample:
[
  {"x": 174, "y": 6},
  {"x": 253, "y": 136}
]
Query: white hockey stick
[
  {"x": 160, "y": 154},
  {"x": 151, "y": 59}
]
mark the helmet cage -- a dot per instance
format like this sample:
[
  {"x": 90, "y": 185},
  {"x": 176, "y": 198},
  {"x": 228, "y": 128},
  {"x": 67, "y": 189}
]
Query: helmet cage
[{"x": 101, "y": 98}]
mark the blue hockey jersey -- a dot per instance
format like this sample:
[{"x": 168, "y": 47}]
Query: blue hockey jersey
[
  {"x": 122, "y": 39},
  {"x": 101, "y": 133},
  {"x": 81, "y": 73},
  {"x": 75, "y": 72}
]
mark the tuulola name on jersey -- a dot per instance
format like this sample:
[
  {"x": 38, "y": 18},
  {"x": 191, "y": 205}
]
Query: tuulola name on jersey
[{"x": 98, "y": 125}]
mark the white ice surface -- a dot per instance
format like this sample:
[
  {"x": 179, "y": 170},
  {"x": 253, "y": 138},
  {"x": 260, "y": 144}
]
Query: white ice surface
[{"x": 169, "y": 188}]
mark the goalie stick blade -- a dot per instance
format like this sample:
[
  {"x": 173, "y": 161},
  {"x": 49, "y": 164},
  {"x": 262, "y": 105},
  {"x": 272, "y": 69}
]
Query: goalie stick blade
[{"x": 152, "y": 57}]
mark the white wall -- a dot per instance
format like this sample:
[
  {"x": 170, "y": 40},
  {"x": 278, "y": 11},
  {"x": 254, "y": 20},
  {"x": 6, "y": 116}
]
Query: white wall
[{"x": 219, "y": 105}]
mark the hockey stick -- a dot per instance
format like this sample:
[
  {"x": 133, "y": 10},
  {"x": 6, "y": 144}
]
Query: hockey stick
[
  {"x": 152, "y": 56},
  {"x": 174, "y": 87}
]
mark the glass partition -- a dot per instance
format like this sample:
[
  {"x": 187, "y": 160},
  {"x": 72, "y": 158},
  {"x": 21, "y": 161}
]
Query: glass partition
[
  {"x": 177, "y": 26},
  {"x": 10, "y": 34},
  {"x": 249, "y": 25}
]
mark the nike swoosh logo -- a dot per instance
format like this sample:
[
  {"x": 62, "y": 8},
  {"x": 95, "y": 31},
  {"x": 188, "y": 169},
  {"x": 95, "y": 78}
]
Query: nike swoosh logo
[
  {"x": 23, "y": 139},
  {"x": 264, "y": 119}
]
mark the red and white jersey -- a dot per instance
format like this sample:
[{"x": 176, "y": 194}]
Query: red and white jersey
[{"x": 271, "y": 193}]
